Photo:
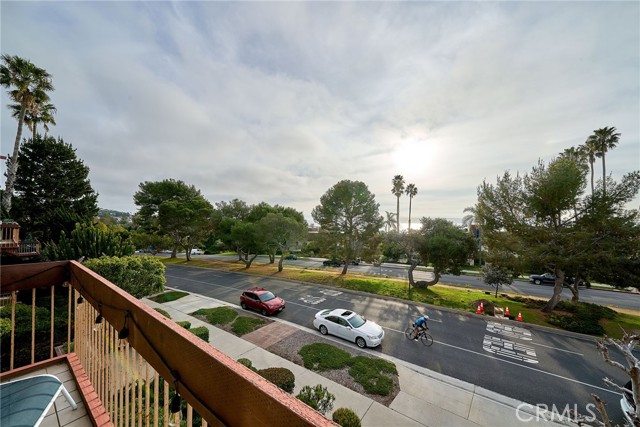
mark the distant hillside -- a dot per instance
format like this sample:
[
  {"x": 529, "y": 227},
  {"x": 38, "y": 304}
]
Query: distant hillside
[{"x": 116, "y": 216}]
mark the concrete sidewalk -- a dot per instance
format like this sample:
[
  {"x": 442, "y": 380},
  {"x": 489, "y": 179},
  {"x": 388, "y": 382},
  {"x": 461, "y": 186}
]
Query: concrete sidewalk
[{"x": 426, "y": 398}]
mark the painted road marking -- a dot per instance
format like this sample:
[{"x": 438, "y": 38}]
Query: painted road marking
[
  {"x": 506, "y": 348},
  {"x": 330, "y": 292},
  {"x": 509, "y": 331},
  {"x": 313, "y": 300}
]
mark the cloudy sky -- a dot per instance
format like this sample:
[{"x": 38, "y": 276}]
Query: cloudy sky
[{"x": 278, "y": 101}]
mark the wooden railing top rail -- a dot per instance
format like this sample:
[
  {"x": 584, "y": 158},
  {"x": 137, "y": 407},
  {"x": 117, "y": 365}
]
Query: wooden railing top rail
[{"x": 220, "y": 389}]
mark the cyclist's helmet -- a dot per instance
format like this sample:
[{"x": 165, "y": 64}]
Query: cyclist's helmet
[{"x": 425, "y": 317}]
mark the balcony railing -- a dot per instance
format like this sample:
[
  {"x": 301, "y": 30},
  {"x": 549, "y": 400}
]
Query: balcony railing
[
  {"x": 144, "y": 369},
  {"x": 10, "y": 243}
]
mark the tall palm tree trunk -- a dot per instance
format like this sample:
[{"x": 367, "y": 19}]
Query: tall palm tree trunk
[
  {"x": 13, "y": 164},
  {"x": 410, "y": 199},
  {"x": 398, "y": 215},
  {"x": 592, "y": 187},
  {"x": 604, "y": 177}
]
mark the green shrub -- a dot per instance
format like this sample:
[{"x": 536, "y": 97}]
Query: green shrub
[
  {"x": 5, "y": 326},
  {"x": 322, "y": 357},
  {"x": 218, "y": 315},
  {"x": 575, "y": 323},
  {"x": 370, "y": 373},
  {"x": 585, "y": 317},
  {"x": 345, "y": 417},
  {"x": 244, "y": 325},
  {"x": 185, "y": 324},
  {"x": 139, "y": 275},
  {"x": 246, "y": 362},
  {"x": 164, "y": 312},
  {"x": 89, "y": 241},
  {"x": 201, "y": 332},
  {"x": 317, "y": 397},
  {"x": 282, "y": 377},
  {"x": 23, "y": 319}
]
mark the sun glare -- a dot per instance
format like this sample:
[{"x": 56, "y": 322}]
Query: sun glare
[{"x": 415, "y": 155}]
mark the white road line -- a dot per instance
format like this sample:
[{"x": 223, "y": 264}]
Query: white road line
[
  {"x": 556, "y": 348},
  {"x": 523, "y": 366}
]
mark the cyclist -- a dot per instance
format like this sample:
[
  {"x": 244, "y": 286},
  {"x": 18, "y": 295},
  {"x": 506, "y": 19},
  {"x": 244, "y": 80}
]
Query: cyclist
[{"x": 420, "y": 324}]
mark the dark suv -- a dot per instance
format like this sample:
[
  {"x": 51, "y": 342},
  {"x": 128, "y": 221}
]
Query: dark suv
[{"x": 261, "y": 300}]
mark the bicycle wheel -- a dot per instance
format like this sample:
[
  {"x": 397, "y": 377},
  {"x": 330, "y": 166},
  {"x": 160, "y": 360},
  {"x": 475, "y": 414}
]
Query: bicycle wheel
[
  {"x": 426, "y": 339},
  {"x": 409, "y": 333}
]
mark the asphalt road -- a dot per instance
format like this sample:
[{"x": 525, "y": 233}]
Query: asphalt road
[
  {"x": 534, "y": 365},
  {"x": 623, "y": 300}
]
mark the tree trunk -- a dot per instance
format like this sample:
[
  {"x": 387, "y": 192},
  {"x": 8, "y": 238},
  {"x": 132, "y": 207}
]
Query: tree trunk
[
  {"x": 575, "y": 297},
  {"x": 247, "y": 261},
  {"x": 272, "y": 258},
  {"x": 398, "y": 215},
  {"x": 422, "y": 283},
  {"x": 12, "y": 170},
  {"x": 345, "y": 268},
  {"x": 604, "y": 177},
  {"x": 410, "y": 198},
  {"x": 280, "y": 262},
  {"x": 557, "y": 292},
  {"x": 592, "y": 187}
]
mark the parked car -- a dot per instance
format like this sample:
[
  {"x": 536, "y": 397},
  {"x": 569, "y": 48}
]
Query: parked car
[
  {"x": 350, "y": 326},
  {"x": 291, "y": 256},
  {"x": 626, "y": 403},
  {"x": 551, "y": 279},
  {"x": 542, "y": 278},
  {"x": 262, "y": 300},
  {"x": 333, "y": 262},
  {"x": 356, "y": 261},
  {"x": 196, "y": 251}
]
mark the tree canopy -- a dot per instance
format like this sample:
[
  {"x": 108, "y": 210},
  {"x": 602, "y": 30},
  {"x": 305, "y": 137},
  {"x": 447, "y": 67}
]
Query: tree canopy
[
  {"x": 441, "y": 244},
  {"x": 28, "y": 87},
  {"x": 348, "y": 216},
  {"x": 53, "y": 191},
  {"x": 174, "y": 209},
  {"x": 279, "y": 232},
  {"x": 544, "y": 217}
]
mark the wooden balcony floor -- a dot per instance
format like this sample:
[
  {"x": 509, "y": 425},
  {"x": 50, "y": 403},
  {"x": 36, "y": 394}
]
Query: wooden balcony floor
[{"x": 61, "y": 414}]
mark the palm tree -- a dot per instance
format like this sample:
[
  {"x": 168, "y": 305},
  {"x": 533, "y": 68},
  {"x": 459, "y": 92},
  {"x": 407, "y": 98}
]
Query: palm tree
[
  {"x": 411, "y": 191},
  {"x": 470, "y": 218},
  {"x": 390, "y": 221},
  {"x": 604, "y": 139},
  {"x": 28, "y": 85},
  {"x": 39, "y": 113},
  {"x": 398, "y": 188},
  {"x": 589, "y": 150}
]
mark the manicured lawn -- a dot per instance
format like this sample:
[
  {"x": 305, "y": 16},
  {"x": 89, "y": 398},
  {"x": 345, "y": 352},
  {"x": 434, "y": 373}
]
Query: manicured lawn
[
  {"x": 168, "y": 296},
  {"x": 226, "y": 315},
  {"x": 218, "y": 315}
]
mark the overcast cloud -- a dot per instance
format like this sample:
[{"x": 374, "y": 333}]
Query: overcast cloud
[{"x": 277, "y": 102}]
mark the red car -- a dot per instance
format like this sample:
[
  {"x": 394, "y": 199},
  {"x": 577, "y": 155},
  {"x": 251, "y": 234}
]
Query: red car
[{"x": 261, "y": 300}]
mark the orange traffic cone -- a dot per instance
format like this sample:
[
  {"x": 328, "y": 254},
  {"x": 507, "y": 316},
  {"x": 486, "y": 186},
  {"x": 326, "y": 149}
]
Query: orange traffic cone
[
  {"x": 482, "y": 306},
  {"x": 479, "y": 309},
  {"x": 507, "y": 312},
  {"x": 519, "y": 318}
]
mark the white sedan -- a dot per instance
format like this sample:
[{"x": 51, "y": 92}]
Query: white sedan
[{"x": 350, "y": 326}]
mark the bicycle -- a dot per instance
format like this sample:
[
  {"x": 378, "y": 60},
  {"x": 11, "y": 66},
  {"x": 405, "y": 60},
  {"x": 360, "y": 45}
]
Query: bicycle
[{"x": 423, "y": 335}]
